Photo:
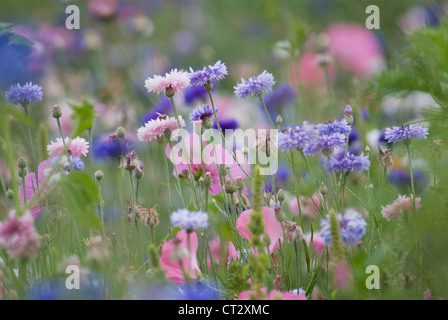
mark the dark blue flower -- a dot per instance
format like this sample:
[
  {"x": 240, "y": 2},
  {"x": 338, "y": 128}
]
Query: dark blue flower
[
  {"x": 29, "y": 93},
  {"x": 227, "y": 124},
  {"x": 282, "y": 175},
  {"x": 279, "y": 98},
  {"x": 201, "y": 113},
  {"x": 193, "y": 93},
  {"x": 110, "y": 146},
  {"x": 402, "y": 180},
  {"x": 163, "y": 106},
  {"x": 352, "y": 226}
]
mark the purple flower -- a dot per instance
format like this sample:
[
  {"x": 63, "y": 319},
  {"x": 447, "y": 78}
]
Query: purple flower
[
  {"x": 325, "y": 143},
  {"x": 23, "y": 95},
  {"x": 78, "y": 164},
  {"x": 189, "y": 220},
  {"x": 213, "y": 72},
  {"x": 403, "y": 133},
  {"x": 227, "y": 124},
  {"x": 283, "y": 174},
  {"x": 201, "y": 113},
  {"x": 335, "y": 127},
  {"x": 195, "y": 92},
  {"x": 298, "y": 137},
  {"x": 280, "y": 97},
  {"x": 352, "y": 225},
  {"x": 402, "y": 180},
  {"x": 163, "y": 107},
  {"x": 348, "y": 162},
  {"x": 255, "y": 85}
]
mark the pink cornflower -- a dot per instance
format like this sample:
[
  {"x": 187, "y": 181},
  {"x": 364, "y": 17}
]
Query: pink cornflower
[
  {"x": 57, "y": 148},
  {"x": 156, "y": 128},
  {"x": 272, "y": 227},
  {"x": 77, "y": 147},
  {"x": 271, "y": 295},
  {"x": 19, "y": 236},
  {"x": 174, "y": 80},
  {"x": 400, "y": 205},
  {"x": 178, "y": 259},
  {"x": 307, "y": 206}
]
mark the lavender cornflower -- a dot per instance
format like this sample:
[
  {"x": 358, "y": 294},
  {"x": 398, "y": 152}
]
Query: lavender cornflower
[
  {"x": 201, "y": 113},
  {"x": 352, "y": 225},
  {"x": 227, "y": 124},
  {"x": 335, "y": 127},
  {"x": 208, "y": 74},
  {"x": 23, "y": 95},
  {"x": 405, "y": 133},
  {"x": 298, "y": 137},
  {"x": 348, "y": 162},
  {"x": 189, "y": 220},
  {"x": 78, "y": 164},
  {"x": 255, "y": 85},
  {"x": 325, "y": 144},
  {"x": 280, "y": 97}
]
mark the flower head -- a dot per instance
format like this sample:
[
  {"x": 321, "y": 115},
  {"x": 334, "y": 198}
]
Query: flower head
[
  {"x": 402, "y": 204},
  {"x": 174, "y": 80},
  {"x": 189, "y": 220},
  {"x": 325, "y": 143},
  {"x": 348, "y": 162},
  {"x": 298, "y": 137},
  {"x": 201, "y": 113},
  {"x": 352, "y": 226},
  {"x": 255, "y": 85},
  {"x": 337, "y": 126},
  {"x": 163, "y": 106},
  {"x": 78, "y": 147},
  {"x": 24, "y": 95},
  {"x": 156, "y": 128},
  {"x": 78, "y": 164},
  {"x": 208, "y": 74},
  {"x": 19, "y": 236},
  {"x": 405, "y": 133}
]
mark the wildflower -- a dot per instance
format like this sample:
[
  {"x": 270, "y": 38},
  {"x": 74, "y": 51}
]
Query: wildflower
[
  {"x": 99, "y": 175},
  {"x": 208, "y": 74},
  {"x": 131, "y": 161},
  {"x": 151, "y": 217},
  {"x": 255, "y": 85},
  {"x": 293, "y": 232},
  {"x": 273, "y": 228},
  {"x": 405, "y": 133},
  {"x": 298, "y": 137},
  {"x": 57, "y": 148},
  {"x": 19, "y": 237},
  {"x": 309, "y": 206},
  {"x": 173, "y": 82},
  {"x": 352, "y": 226},
  {"x": 77, "y": 147},
  {"x": 189, "y": 220},
  {"x": 29, "y": 93},
  {"x": 348, "y": 115},
  {"x": 231, "y": 124},
  {"x": 56, "y": 112},
  {"x": 325, "y": 144},
  {"x": 215, "y": 249},
  {"x": 111, "y": 146},
  {"x": 202, "y": 113},
  {"x": 402, "y": 204},
  {"x": 271, "y": 295},
  {"x": 348, "y": 162},
  {"x": 156, "y": 128},
  {"x": 281, "y": 97},
  {"x": 77, "y": 163},
  {"x": 337, "y": 126},
  {"x": 186, "y": 264}
]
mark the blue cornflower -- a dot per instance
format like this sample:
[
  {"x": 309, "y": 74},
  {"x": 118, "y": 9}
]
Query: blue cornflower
[
  {"x": 110, "y": 146},
  {"x": 255, "y": 85},
  {"x": 348, "y": 162},
  {"x": 189, "y": 220},
  {"x": 23, "y": 95},
  {"x": 280, "y": 97},
  {"x": 201, "y": 113},
  {"x": 282, "y": 175},
  {"x": 163, "y": 106},
  {"x": 352, "y": 226},
  {"x": 335, "y": 127},
  {"x": 230, "y": 124},
  {"x": 325, "y": 143},
  {"x": 405, "y": 133},
  {"x": 402, "y": 180},
  {"x": 191, "y": 94},
  {"x": 208, "y": 74},
  {"x": 298, "y": 137},
  {"x": 78, "y": 164}
]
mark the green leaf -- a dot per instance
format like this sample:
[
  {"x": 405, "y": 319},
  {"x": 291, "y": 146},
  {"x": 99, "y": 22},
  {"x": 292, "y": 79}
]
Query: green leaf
[
  {"x": 80, "y": 194},
  {"x": 83, "y": 117}
]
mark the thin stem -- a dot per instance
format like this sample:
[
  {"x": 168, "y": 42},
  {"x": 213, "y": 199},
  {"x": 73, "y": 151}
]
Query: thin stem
[
  {"x": 24, "y": 193},
  {"x": 266, "y": 111},
  {"x": 103, "y": 233},
  {"x": 132, "y": 217},
  {"x": 65, "y": 146},
  {"x": 412, "y": 177}
]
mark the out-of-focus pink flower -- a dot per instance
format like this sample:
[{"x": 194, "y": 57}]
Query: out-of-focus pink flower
[
  {"x": 271, "y": 295},
  {"x": 307, "y": 206},
  {"x": 355, "y": 48},
  {"x": 318, "y": 242},
  {"x": 175, "y": 265},
  {"x": 19, "y": 236},
  {"x": 103, "y": 9},
  {"x": 176, "y": 80},
  {"x": 31, "y": 186},
  {"x": 308, "y": 72},
  {"x": 272, "y": 227},
  {"x": 277, "y": 281},
  {"x": 402, "y": 204},
  {"x": 215, "y": 248},
  {"x": 77, "y": 147},
  {"x": 156, "y": 128},
  {"x": 426, "y": 295},
  {"x": 341, "y": 275}
]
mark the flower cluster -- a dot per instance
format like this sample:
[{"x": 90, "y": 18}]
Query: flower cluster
[
  {"x": 352, "y": 225},
  {"x": 208, "y": 74},
  {"x": 156, "y": 128},
  {"x": 402, "y": 204},
  {"x": 174, "y": 80},
  {"x": 76, "y": 147},
  {"x": 348, "y": 162}
]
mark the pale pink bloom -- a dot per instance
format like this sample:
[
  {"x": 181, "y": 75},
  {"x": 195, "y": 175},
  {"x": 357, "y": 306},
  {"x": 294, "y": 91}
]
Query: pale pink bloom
[
  {"x": 307, "y": 206},
  {"x": 318, "y": 242},
  {"x": 271, "y": 295},
  {"x": 308, "y": 72},
  {"x": 277, "y": 281},
  {"x": 31, "y": 186},
  {"x": 78, "y": 147},
  {"x": 19, "y": 236},
  {"x": 229, "y": 251},
  {"x": 156, "y": 128},
  {"x": 426, "y": 295},
  {"x": 212, "y": 156},
  {"x": 176, "y": 80},
  {"x": 355, "y": 48},
  {"x": 272, "y": 227},
  {"x": 57, "y": 148},
  {"x": 341, "y": 275},
  {"x": 402, "y": 204},
  {"x": 175, "y": 268}
]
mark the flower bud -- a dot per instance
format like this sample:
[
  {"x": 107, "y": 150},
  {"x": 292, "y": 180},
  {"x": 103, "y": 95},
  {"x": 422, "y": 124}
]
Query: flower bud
[
  {"x": 21, "y": 163},
  {"x": 348, "y": 114},
  {"x": 239, "y": 183},
  {"x": 293, "y": 232},
  {"x": 230, "y": 187},
  {"x": 120, "y": 132},
  {"x": 169, "y": 92},
  {"x": 281, "y": 195},
  {"x": 208, "y": 123},
  {"x": 208, "y": 86},
  {"x": 208, "y": 179},
  {"x": 99, "y": 175},
  {"x": 323, "y": 189},
  {"x": 279, "y": 120},
  {"x": 10, "y": 194},
  {"x": 22, "y": 173},
  {"x": 56, "y": 112},
  {"x": 279, "y": 214},
  {"x": 385, "y": 157}
]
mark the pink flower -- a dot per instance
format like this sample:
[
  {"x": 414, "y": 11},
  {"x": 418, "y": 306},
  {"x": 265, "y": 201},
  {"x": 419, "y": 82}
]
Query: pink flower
[
  {"x": 401, "y": 204},
  {"x": 318, "y": 242},
  {"x": 215, "y": 248},
  {"x": 272, "y": 227},
  {"x": 175, "y": 266},
  {"x": 31, "y": 186},
  {"x": 307, "y": 206},
  {"x": 356, "y": 48},
  {"x": 78, "y": 147},
  {"x": 209, "y": 162},
  {"x": 426, "y": 295},
  {"x": 19, "y": 236},
  {"x": 57, "y": 148},
  {"x": 176, "y": 80},
  {"x": 308, "y": 71},
  {"x": 156, "y": 128},
  {"x": 271, "y": 295},
  {"x": 341, "y": 274}
]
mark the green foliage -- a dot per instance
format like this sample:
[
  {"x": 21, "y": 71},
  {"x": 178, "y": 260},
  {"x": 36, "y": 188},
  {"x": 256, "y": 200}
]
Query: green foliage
[{"x": 83, "y": 117}]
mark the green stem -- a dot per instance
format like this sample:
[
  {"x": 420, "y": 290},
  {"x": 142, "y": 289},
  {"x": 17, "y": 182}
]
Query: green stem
[
  {"x": 131, "y": 245},
  {"x": 412, "y": 176},
  {"x": 103, "y": 233},
  {"x": 65, "y": 146},
  {"x": 266, "y": 110}
]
